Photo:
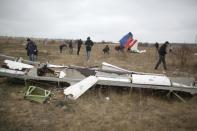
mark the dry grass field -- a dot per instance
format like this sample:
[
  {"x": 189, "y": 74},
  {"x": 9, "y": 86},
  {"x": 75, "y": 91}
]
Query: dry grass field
[{"x": 139, "y": 110}]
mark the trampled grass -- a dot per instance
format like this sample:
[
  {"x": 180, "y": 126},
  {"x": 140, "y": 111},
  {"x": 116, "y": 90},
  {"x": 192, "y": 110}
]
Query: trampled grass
[{"x": 99, "y": 109}]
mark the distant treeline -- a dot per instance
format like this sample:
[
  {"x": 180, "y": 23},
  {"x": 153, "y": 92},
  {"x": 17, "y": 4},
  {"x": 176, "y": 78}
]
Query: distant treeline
[
  {"x": 10, "y": 40},
  {"x": 171, "y": 44}
]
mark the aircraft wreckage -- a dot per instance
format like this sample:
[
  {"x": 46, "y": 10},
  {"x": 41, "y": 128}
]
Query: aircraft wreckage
[{"x": 80, "y": 79}]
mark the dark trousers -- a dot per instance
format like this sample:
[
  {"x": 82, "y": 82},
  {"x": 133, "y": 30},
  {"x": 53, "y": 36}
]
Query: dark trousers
[
  {"x": 78, "y": 50},
  {"x": 161, "y": 59}
]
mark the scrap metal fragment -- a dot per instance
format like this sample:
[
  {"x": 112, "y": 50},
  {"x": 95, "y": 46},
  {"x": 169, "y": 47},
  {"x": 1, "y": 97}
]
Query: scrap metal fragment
[
  {"x": 37, "y": 94},
  {"x": 76, "y": 90},
  {"x": 17, "y": 65}
]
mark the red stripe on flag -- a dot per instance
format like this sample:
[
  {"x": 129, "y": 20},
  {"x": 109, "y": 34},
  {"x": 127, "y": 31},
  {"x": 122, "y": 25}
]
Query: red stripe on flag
[
  {"x": 128, "y": 42},
  {"x": 132, "y": 43}
]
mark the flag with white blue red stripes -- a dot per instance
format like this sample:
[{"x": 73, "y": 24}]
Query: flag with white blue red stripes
[{"x": 126, "y": 40}]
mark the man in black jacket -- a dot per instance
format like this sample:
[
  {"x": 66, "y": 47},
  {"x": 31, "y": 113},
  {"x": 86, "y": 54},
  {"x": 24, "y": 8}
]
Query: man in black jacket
[
  {"x": 162, "y": 52},
  {"x": 79, "y": 43},
  {"x": 89, "y": 45}
]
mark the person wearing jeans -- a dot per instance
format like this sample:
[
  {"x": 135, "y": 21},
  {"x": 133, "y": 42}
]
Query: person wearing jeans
[
  {"x": 31, "y": 49},
  {"x": 89, "y": 43}
]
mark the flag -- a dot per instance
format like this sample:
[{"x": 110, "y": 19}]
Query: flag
[{"x": 126, "y": 40}]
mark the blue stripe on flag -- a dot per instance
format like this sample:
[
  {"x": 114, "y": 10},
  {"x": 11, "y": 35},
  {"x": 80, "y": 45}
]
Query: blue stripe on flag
[{"x": 125, "y": 38}]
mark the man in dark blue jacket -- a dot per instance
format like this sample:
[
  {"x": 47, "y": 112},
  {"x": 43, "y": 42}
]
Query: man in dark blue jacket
[
  {"x": 162, "y": 52},
  {"x": 31, "y": 49},
  {"x": 89, "y": 45}
]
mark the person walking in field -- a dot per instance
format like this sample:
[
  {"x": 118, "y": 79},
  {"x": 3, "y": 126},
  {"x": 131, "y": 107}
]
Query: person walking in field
[
  {"x": 156, "y": 51},
  {"x": 79, "y": 43},
  {"x": 35, "y": 52},
  {"x": 70, "y": 45},
  {"x": 31, "y": 50},
  {"x": 62, "y": 46},
  {"x": 157, "y": 46},
  {"x": 89, "y": 43},
  {"x": 106, "y": 50},
  {"x": 162, "y": 53}
]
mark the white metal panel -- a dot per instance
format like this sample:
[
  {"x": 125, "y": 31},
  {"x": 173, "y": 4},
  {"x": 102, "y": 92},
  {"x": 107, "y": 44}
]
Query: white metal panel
[
  {"x": 62, "y": 74},
  {"x": 107, "y": 66},
  {"x": 17, "y": 65},
  {"x": 117, "y": 79},
  {"x": 54, "y": 66},
  {"x": 141, "y": 51},
  {"x": 151, "y": 80},
  {"x": 134, "y": 47},
  {"x": 76, "y": 90},
  {"x": 12, "y": 71},
  {"x": 113, "y": 77},
  {"x": 181, "y": 85}
]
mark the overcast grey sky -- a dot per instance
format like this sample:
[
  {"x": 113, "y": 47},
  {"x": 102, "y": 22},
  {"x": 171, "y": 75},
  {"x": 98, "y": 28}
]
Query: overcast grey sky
[{"x": 109, "y": 20}]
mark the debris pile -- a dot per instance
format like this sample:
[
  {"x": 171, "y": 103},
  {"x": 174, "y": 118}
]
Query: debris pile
[{"x": 80, "y": 79}]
